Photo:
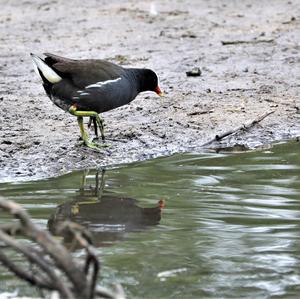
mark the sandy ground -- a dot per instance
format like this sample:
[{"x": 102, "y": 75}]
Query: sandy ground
[{"x": 238, "y": 82}]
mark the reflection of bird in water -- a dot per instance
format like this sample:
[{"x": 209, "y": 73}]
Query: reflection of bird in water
[{"x": 106, "y": 216}]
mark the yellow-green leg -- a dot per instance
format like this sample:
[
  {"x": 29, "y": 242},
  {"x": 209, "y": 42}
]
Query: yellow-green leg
[
  {"x": 84, "y": 135},
  {"x": 92, "y": 120},
  {"x": 73, "y": 110},
  {"x": 97, "y": 122}
]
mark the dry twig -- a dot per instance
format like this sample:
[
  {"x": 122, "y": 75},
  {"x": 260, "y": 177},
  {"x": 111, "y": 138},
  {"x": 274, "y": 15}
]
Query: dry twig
[
  {"x": 254, "y": 41},
  {"x": 55, "y": 267},
  {"x": 200, "y": 112},
  {"x": 244, "y": 126}
]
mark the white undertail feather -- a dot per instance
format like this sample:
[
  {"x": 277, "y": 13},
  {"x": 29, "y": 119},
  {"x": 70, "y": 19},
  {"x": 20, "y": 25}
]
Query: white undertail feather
[{"x": 47, "y": 71}]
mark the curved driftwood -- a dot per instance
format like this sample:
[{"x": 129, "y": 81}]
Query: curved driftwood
[{"x": 55, "y": 268}]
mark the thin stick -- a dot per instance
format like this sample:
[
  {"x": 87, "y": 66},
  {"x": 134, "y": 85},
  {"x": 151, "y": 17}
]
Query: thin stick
[
  {"x": 254, "y": 41},
  {"x": 23, "y": 274},
  {"x": 35, "y": 258},
  {"x": 84, "y": 239},
  {"x": 244, "y": 126}
]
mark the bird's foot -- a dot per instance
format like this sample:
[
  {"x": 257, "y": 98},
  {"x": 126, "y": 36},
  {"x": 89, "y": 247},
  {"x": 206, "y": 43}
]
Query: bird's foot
[
  {"x": 95, "y": 146},
  {"x": 103, "y": 144}
]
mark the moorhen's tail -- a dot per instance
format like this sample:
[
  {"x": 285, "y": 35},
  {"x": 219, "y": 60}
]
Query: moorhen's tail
[
  {"x": 51, "y": 59},
  {"x": 48, "y": 75}
]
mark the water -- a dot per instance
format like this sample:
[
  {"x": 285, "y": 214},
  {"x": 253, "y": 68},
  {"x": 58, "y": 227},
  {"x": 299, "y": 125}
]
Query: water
[{"x": 229, "y": 228}]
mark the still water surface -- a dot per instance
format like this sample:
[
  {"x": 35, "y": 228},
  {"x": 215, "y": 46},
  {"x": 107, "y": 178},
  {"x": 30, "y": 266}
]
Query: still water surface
[{"x": 230, "y": 227}]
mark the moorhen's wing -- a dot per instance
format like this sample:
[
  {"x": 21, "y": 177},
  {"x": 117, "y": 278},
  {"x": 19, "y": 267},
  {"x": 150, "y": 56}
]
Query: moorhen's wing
[{"x": 84, "y": 72}]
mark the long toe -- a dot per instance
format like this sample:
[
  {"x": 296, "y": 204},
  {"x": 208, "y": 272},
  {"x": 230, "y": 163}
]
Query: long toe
[
  {"x": 95, "y": 146},
  {"x": 103, "y": 145}
]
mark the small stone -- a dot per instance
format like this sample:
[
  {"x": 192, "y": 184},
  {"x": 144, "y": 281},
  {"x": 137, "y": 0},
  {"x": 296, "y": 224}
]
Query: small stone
[
  {"x": 189, "y": 35},
  {"x": 195, "y": 72}
]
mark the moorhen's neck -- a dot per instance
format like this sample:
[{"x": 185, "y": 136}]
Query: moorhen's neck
[{"x": 138, "y": 78}]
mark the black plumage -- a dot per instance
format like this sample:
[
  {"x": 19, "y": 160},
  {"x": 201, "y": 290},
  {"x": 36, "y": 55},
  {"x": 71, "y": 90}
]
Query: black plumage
[
  {"x": 88, "y": 87},
  {"x": 94, "y": 85}
]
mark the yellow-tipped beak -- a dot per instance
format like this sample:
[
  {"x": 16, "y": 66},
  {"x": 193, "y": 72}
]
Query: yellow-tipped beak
[{"x": 159, "y": 92}]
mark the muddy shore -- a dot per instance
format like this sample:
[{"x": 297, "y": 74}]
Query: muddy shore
[{"x": 248, "y": 53}]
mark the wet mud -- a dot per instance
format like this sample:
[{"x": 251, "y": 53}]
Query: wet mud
[{"x": 247, "y": 53}]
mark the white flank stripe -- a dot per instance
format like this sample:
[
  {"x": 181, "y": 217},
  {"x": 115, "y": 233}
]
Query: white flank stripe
[
  {"x": 100, "y": 84},
  {"x": 47, "y": 71}
]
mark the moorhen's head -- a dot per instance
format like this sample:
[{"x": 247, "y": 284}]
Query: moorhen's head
[{"x": 149, "y": 82}]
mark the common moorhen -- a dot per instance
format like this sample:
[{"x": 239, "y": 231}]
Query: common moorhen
[{"x": 91, "y": 86}]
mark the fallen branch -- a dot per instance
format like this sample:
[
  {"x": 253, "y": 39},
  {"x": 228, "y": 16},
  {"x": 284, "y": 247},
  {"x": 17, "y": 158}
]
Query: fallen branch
[
  {"x": 292, "y": 19},
  {"x": 241, "y": 89},
  {"x": 253, "y": 41},
  {"x": 244, "y": 126},
  {"x": 55, "y": 267},
  {"x": 33, "y": 256},
  {"x": 200, "y": 112},
  {"x": 23, "y": 274}
]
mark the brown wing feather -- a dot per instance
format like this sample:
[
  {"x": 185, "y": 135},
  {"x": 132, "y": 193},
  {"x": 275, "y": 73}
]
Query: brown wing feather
[{"x": 84, "y": 72}]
